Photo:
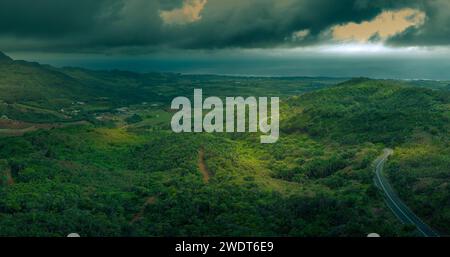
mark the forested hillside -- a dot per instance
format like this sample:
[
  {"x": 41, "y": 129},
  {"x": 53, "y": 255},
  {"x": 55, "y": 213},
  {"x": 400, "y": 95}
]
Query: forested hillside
[
  {"x": 92, "y": 152},
  {"x": 370, "y": 110},
  {"x": 414, "y": 121}
]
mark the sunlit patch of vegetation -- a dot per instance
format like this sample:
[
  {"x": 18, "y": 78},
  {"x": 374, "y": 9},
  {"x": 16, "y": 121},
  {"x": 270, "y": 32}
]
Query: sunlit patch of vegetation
[{"x": 102, "y": 160}]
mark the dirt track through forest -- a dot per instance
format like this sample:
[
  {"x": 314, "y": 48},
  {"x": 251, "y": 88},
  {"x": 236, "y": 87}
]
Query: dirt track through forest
[
  {"x": 9, "y": 178},
  {"x": 202, "y": 166},
  {"x": 151, "y": 200}
]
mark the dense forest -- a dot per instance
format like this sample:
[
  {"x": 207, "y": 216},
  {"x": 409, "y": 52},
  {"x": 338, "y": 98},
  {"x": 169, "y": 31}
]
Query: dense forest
[{"x": 92, "y": 152}]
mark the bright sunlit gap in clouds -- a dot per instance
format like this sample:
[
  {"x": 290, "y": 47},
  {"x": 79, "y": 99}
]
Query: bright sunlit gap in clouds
[
  {"x": 368, "y": 37},
  {"x": 367, "y": 48},
  {"x": 355, "y": 49}
]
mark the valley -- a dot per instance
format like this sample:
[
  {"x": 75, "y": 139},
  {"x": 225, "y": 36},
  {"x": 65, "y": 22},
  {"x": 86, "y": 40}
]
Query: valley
[{"x": 92, "y": 152}]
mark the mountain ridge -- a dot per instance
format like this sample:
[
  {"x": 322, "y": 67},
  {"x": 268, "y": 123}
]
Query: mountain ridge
[{"x": 4, "y": 57}]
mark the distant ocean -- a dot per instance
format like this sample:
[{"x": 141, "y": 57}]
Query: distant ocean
[{"x": 395, "y": 67}]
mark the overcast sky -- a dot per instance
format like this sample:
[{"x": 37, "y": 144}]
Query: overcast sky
[{"x": 379, "y": 38}]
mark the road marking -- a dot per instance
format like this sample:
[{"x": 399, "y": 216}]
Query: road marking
[
  {"x": 378, "y": 170},
  {"x": 387, "y": 193}
]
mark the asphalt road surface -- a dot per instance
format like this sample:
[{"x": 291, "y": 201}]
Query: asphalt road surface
[{"x": 395, "y": 203}]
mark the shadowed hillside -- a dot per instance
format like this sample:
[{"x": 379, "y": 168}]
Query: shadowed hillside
[
  {"x": 4, "y": 58},
  {"x": 42, "y": 89},
  {"x": 364, "y": 110}
]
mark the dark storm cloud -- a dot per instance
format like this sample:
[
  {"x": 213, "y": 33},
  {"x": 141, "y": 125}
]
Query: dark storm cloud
[
  {"x": 139, "y": 25},
  {"x": 47, "y": 18},
  {"x": 261, "y": 23},
  {"x": 436, "y": 30}
]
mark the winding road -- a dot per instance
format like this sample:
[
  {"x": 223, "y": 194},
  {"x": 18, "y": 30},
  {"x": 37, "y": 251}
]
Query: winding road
[{"x": 395, "y": 203}]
